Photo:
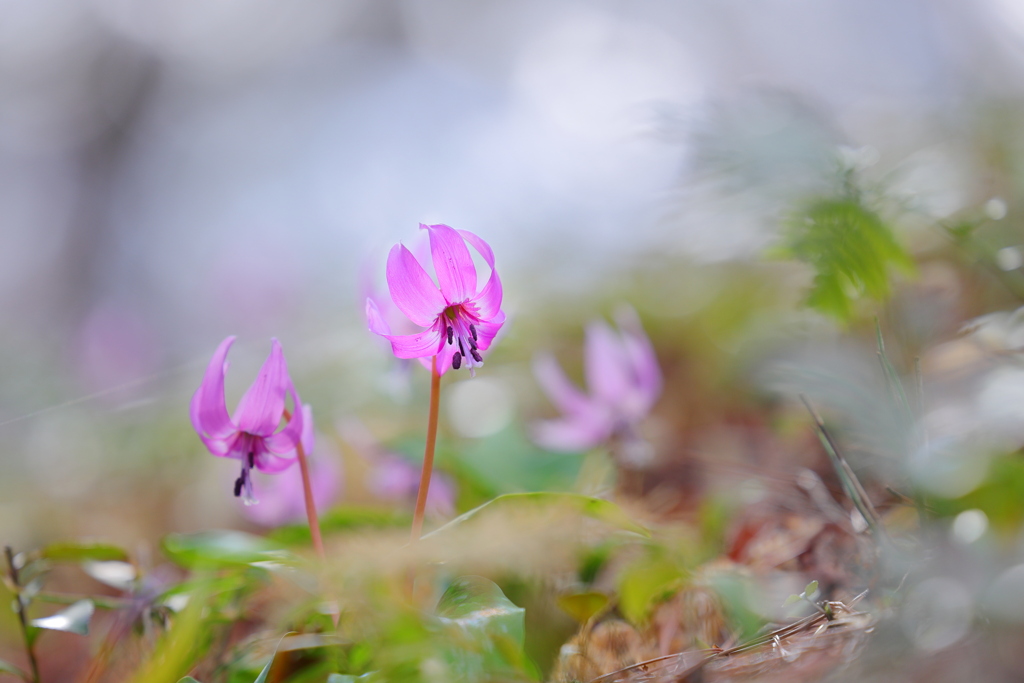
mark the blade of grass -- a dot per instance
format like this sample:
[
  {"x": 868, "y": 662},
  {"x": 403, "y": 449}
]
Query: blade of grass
[{"x": 851, "y": 484}]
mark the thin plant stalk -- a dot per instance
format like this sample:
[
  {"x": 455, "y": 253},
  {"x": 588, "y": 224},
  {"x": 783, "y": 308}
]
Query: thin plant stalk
[
  {"x": 307, "y": 491},
  {"x": 22, "y": 617},
  {"x": 428, "y": 452},
  {"x": 847, "y": 478}
]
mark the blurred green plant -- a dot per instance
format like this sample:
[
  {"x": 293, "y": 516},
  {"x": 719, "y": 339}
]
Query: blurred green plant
[{"x": 850, "y": 248}]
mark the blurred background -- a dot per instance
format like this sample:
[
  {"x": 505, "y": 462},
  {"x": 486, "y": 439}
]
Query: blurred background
[
  {"x": 175, "y": 171},
  {"x": 172, "y": 172}
]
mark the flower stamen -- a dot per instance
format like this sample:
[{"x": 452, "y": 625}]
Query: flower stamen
[{"x": 243, "y": 485}]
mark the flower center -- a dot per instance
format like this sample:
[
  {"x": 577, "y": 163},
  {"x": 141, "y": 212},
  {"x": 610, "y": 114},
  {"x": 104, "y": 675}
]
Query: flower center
[
  {"x": 244, "y": 482},
  {"x": 462, "y": 333}
]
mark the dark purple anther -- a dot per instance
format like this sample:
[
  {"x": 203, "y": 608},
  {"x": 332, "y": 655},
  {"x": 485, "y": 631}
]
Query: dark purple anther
[
  {"x": 457, "y": 360},
  {"x": 451, "y": 332},
  {"x": 472, "y": 331},
  {"x": 476, "y": 356},
  {"x": 238, "y": 487}
]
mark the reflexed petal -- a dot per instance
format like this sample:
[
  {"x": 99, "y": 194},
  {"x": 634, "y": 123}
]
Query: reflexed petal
[
  {"x": 425, "y": 343},
  {"x": 605, "y": 364},
  {"x": 572, "y": 434},
  {"x": 482, "y": 247},
  {"x": 284, "y": 441},
  {"x": 566, "y": 397},
  {"x": 411, "y": 288},
  {"x": 260, "y": 409},
  {"x": 456, "y": 273},
  {"x": 488, "y": 301},
  {"x": 207, "y": 410},
  {"x": 641, "y": 355}
]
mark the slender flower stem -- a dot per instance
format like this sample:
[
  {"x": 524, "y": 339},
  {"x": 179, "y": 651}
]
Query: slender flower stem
[
  {"x": 307, "y": 490},
  {"x": 22, "y": 617},
  {"x": 428, "y": 453}
]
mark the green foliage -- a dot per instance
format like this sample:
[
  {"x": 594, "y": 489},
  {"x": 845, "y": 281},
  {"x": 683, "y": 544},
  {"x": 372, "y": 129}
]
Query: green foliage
[
  {"x": 484, "y": 631},
  {"x": 1000, "y": 496},
  {"x": 81, "y": 552},
  {"x": 583, "y": 606},
  {"x": 650, "y": 577},
  {"x": 219, "y": 548},
  {"x": 736, "y": 594},
  {"x": 851, "y": 250},
  {"x": 262, "y": 678},
  {"x": 588, "y": 506},
  {"x": 180, "y": 647},
  {"x": 343, "y": 518}
]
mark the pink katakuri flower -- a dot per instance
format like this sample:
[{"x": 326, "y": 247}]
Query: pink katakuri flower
[
  {"x": 251, "y": 434},
  {"x": 283, "y": 498},
  {"x": 460, "y": 320},
  {"x": 624, "y": 381},
  {"x": 396, "y": 479}
]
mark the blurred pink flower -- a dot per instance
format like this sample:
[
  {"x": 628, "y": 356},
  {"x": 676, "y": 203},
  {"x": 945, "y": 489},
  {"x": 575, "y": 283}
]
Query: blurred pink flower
[
  {"x": 623, "y": 378},
  {"x": 251, "y": 434},
  {"x": 282, "y": 498},
  {"x": 116, "y": 348},
  {"x": 395, "y": 478},
  {"x": 461, "y": 321}
]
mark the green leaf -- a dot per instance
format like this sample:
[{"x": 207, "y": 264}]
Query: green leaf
[
  {"x": 188, "y": 679},
  {"x": 583, "y": 606},
  {"x": 851, "y": 250},
  {"x": 344, "y": 518},
  {"x": 596, "y": 508},
  {"x": 80, "y": 552},
  {"x": 485, "y": 631},
  {"x": 792, "y": 600},
  {"x": 74, "y": 619},
  {"x": 220, "y": 548},
  {"x": 811, "y": 589},
  {"x": 262, "y": 678},
  {"x": 643, "y": 582},
  {"x": 177, "y": 650},
  {"x": 8, "y": 668}
]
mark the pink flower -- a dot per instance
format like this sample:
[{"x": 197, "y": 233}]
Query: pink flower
[
  {"x": 395, "y": 478},
  {"x": 282, "y": 498},
  {"x": 624, "y": 382},
  {"x": 460, "y": 321},
  {"x": 251, "y": 434}
]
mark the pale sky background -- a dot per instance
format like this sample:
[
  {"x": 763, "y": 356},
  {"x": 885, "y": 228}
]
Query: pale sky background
[{"x": 172, "y": 170}]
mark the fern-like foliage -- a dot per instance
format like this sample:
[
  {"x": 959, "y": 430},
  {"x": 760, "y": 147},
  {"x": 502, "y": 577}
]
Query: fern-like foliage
[{"x": 851, "y": 250}]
